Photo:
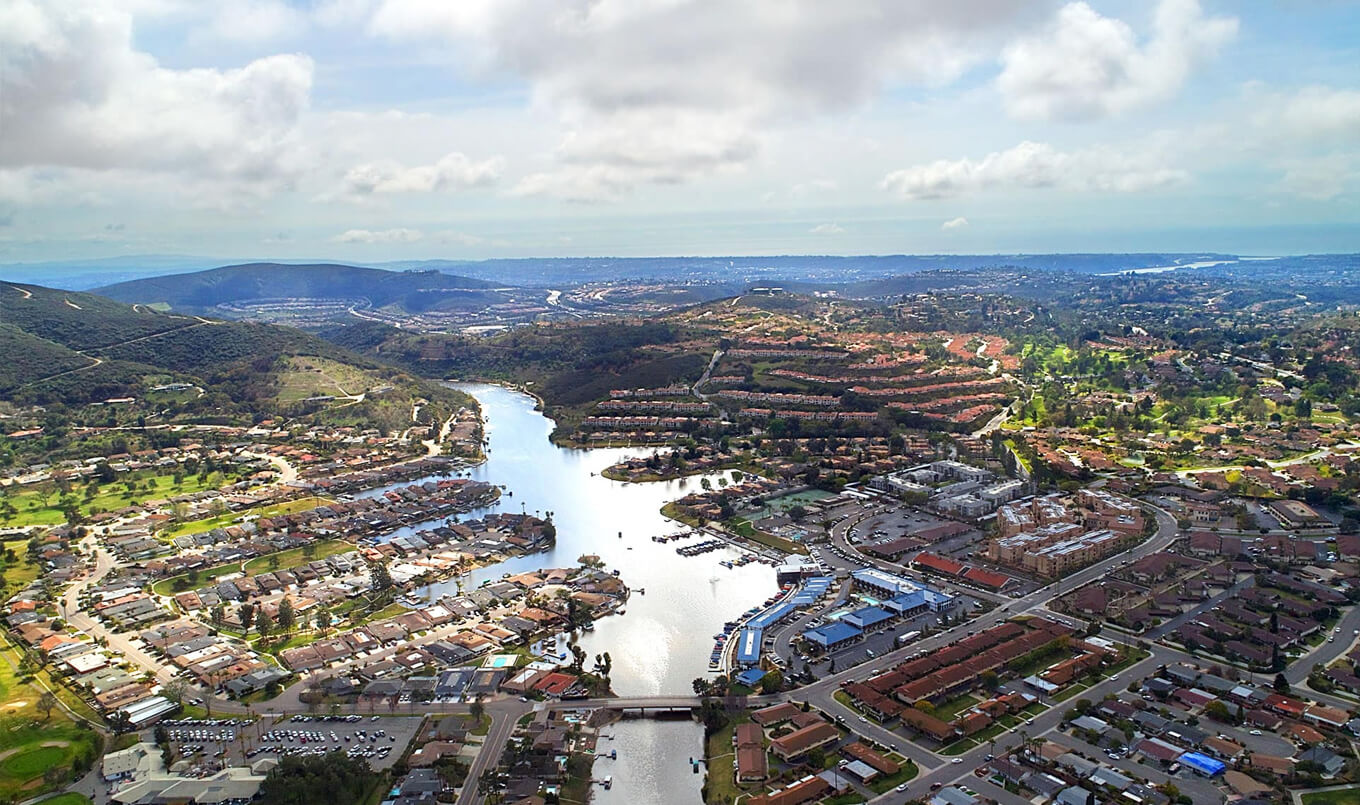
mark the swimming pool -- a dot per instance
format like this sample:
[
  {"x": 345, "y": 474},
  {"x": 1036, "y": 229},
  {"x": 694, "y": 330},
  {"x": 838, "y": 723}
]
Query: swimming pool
[{"x": 500, "y": 661}]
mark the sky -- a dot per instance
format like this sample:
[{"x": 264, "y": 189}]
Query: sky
[{"x": 371, "y": 130}]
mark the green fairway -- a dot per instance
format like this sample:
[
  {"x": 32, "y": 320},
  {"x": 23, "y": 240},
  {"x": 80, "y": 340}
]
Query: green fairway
[
  {"x": 232, "y": 518},
  {"x": 45, "y": 505},
  {"x": 31, "y": 762},
  {"x": 31, "y": 743}
]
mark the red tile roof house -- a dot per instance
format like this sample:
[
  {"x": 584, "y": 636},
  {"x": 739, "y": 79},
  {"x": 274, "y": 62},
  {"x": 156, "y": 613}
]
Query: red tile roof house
[
  {"x": 1326, "y": 716},
  {"x": 878, "y": 762},
  {"x": 752, "y": 765},
  {"x": 555, "y": 684},
  {"x": 802, "y": 741},
  {"x": 1285, "y": 706},
  {"x": 776, "y": 714}
]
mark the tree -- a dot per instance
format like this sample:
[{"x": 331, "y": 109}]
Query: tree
[
  {"x": 174, "y": 690},
  {"x": 46, "y": 701},
  {"x": 381, "y": 578},
  {"x": 476, "y": 710},
  {"x": 318, "y": 780},
  {"x": 286, "y": 617},
  {"x": 263, "y": 623},
  {"x": 1218, "y": 711},
  {"x": 246, "y": 614},
  {"x": 771, "y": 682},
  {"x": 1281, "y": 684},
  {"x": 218, "y": 616},
  {"x": 323, "y": 620}
]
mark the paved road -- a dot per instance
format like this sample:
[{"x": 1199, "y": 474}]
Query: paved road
[
  {"x": 1175, "y": 623},
  {"x": 504, "y": 716},
  {"x": 1323, "y": 654}
]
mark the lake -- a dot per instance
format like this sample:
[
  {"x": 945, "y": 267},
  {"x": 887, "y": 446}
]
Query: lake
[{"x": 663, "y": 640}]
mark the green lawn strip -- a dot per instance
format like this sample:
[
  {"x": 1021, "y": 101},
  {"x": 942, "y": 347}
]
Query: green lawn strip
[
  {"x": 959, "y": 747},
  {"x": 1344, "y": 796},
  {"x": 30, "y": 763},
  {"x": 296, "y": 557},
  {"x": 291, "y": 558},
  {"x": 69, "y": 798},
  {"x": 849, "y": 798},
  {"x": 234, "y": 517},
  {"x": 721, "y": 783},
  {"x": 946, "y": 711},
  {"x": 483, "y": 725},
  {"x": 1064, "y": 695},
  {"x": 181, "y": 583},
  {"x": 744, "y": 529},
  {"x": 907, "y": 773}
]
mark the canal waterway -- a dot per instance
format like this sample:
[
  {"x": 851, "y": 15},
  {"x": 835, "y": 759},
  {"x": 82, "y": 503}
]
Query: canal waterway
[
  {"x": 662, "y": 641},
  {"x": 654, "y": 763}
]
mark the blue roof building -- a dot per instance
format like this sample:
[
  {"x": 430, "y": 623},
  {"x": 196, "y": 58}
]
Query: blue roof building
[
  {"x": 867, "y": 617},
  {"x": 1203, "y": 764},
  {"x": 748, "y": 646},
  {"x": 751, "y": 677},
  {"x": 812, "y": 590},
  {"x": 833, "y": 635},
  {"x": 907, "y": 603},
  {"x": 771, "y": 616}
]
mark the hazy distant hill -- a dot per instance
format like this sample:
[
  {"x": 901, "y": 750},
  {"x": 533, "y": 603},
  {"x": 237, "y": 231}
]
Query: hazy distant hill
[
  {"x": 67, "y": 351},
  {"x": 207, "y": 290}
]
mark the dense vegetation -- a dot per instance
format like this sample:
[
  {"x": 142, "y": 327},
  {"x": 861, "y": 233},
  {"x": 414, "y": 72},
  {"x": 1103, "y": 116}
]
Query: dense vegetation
[
  {"x": 325, "y": 780},
  {"x": 203, "y": 290},
  {"x": 569, "y": 365},
  {"x": 69, "y": 354}
]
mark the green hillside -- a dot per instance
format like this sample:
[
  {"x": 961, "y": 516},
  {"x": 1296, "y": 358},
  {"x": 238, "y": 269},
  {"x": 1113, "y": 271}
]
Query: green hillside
[
  {"x": 205, "y": 290},
  {"x": 81, "y": 364}
]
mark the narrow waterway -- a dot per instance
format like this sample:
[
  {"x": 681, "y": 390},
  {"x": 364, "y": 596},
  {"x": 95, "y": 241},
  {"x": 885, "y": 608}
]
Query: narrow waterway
[
  {"x": 663, "y": 640},
  {"x": 654, "y": 763}
]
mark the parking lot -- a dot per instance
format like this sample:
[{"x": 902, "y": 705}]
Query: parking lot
[{"x": 380, "y": 740}]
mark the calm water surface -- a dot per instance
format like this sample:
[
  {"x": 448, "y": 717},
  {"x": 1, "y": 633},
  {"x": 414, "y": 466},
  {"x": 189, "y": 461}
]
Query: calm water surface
[
  {"x": 663, "y": 640},
  {"x": 653, "y": 765}
]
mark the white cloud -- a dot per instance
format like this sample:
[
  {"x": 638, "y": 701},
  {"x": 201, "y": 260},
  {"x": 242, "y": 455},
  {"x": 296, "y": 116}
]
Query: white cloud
[
  {"x": 1088, "y": 66},
  {"x": 254, "y": 21},
  {"x": 1320, "y": 178},
  {"x": 1318, "y": 115},
  {"x": 827, "y": 229},
  {"x": 1034, "y": 165},
  {"x": 453, "y": 171},
  {"x": 954, "y": 223},
  {"x": 88, "y": 99},
  {"x": 661, "y": 91},
  {"x": 379, "y": 236}
]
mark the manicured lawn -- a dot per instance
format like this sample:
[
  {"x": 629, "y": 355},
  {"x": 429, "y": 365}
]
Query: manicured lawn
[
  {"x": 31, "y": 744},
  {"x": 959, "y": 747},
  {"x": 720, "y": 783},
  {"x": 1347, "y": 796},
  {"x": 232, "y": 518},
  {"x": 288, "y": 559},
  {"x": 907, "y": 773},
  {"x": 67, "y": 799},
  {"x": 298, "y": 556},
  {"x": 178, "y": 584},
  {"x": 20, "y": 572},
  {"x": 31, "y": 762},
  {"x": 946, "y": 711},
  {"x": 43, "y": 507}
]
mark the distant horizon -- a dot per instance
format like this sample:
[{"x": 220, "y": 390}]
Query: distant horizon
[{"x": 223, "y": 262}]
